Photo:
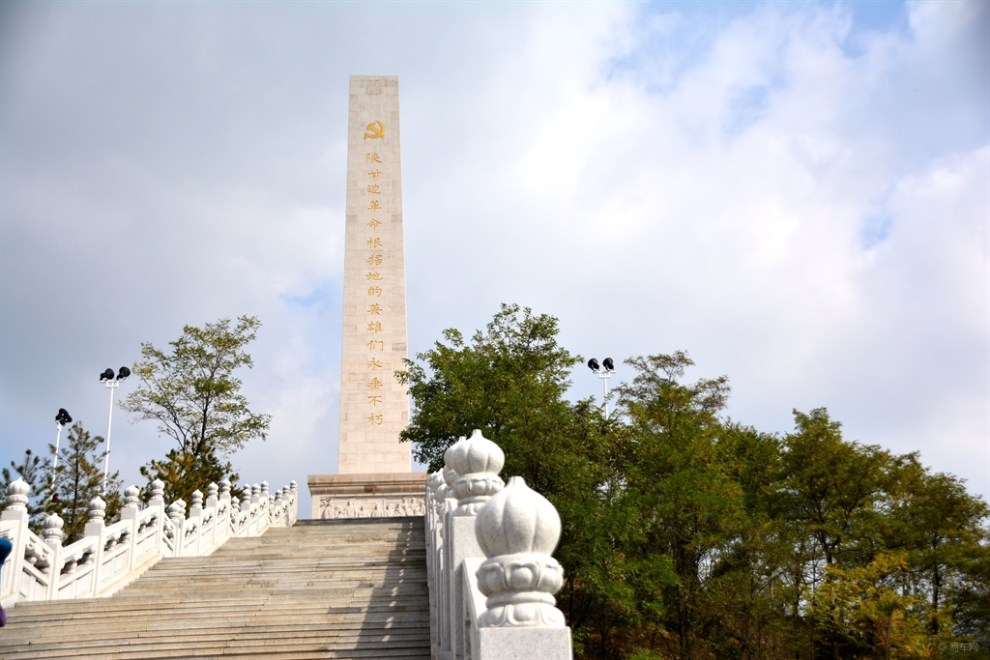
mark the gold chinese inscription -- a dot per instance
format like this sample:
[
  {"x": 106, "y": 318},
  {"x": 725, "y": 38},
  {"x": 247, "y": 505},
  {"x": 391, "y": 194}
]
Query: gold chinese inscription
[
  {"x": 376, "y": 202},
  {"x": 376, "y": 275}
]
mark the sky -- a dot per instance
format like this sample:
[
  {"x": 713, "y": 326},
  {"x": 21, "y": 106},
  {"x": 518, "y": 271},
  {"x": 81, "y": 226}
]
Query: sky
[{"x": 797, "y": 194}]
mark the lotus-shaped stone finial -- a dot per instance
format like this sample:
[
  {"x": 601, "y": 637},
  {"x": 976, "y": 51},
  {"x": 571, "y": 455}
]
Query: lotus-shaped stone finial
[
  {"x": 516, "y": 520},
  {"x": 517, "y": 530},
  {"x": 17, "y": 495},
  {"x": 477, "y": 462},
  {"x": 97, "y": 509},
  {"x": 476, "y": 454}
]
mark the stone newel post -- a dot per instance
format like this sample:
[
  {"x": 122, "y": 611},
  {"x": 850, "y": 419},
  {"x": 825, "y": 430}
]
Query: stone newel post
[
  {"x": 476, "y": 461},
  {"x": 517, "y": 530},
  {"x": 132, "y": 503},
  {"x": 157, "y": 494},
  {"x": 16, "y": 512},
  {"x": 53, "y": 535},
  {"x": 177, "y": 514}
]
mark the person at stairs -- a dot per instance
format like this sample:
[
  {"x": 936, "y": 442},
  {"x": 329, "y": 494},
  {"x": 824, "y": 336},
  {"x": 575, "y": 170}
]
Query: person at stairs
[{"x": 5, "y": 547}]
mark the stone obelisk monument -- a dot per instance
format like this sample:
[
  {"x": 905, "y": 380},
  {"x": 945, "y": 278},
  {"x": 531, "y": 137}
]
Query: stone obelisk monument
[{"x": 374, "y": 469}]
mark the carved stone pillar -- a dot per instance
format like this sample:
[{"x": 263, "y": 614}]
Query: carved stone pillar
[
  {"x": 17, "y": 499},
  {"x": 196, "y": 508},
  {"x": 132, "y": 503},
  {"x": 157, "y": 493},
  {"x": 476, "y": 462},
  {"x": 52, "y": 531},
  {"x": 96, "y": 518},
  {"x": 177, "y": 514},
  {"x": 518, "y": 530}
]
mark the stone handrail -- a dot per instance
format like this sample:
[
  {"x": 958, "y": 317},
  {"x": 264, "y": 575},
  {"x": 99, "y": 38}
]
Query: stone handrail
[
  {"x": 108, "y": 557},
  {"x": 489, "y": 565}
]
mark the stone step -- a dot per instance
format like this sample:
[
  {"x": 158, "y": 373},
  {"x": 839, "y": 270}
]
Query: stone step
[
  {"x": 221, "y": 636},
  {"x": 317, "y": 569},
  {"x": 206, "y": 611},
  {"x": 369, "y": 646}
]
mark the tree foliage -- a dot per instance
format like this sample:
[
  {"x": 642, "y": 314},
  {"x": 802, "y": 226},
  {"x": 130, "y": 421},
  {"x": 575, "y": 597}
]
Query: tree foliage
[
  {"x": 68, "y": 489},
  {"x": 36, "y": 473},
  {"x": 508, "y": 381},
  {"x": 78, "y": 479},
  {"x": 191, "y": 390},
  {"x": 688, "y": 535}
]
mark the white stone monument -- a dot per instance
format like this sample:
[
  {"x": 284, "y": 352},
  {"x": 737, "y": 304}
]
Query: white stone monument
[{"x": 375, "y": 477}]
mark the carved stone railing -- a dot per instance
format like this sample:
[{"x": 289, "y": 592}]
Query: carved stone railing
[
  {"x": 108, "y": 557},
  {"x": 489, "y": 564}
]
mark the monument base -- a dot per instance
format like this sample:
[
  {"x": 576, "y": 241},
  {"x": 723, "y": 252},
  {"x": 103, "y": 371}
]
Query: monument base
[{"x": 383, "y": 495}]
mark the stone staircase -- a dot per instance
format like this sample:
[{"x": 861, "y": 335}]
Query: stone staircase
[{"x": 320, "y": 589}]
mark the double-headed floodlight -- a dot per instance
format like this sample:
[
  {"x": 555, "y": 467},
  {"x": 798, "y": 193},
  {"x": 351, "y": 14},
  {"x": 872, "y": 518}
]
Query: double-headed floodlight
[
  {"x": 61, "y": 419},
  {"x": 112, "y": 384},
  {"x": 604, "y": 371}
]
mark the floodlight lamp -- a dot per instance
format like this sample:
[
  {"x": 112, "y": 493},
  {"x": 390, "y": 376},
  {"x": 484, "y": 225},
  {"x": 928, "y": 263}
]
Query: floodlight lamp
[
  {"x": 123, "y": 373},
  {"x": 107, "y": 374},
  {"x": 608, "y": 364},
  {"x": 593, "y": 364}
]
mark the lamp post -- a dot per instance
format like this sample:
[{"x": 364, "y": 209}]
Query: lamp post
[
  {"x": 112, "y": 384},
  {"x": 604, "y": 371},
  {"x": 61, "y": 419}
]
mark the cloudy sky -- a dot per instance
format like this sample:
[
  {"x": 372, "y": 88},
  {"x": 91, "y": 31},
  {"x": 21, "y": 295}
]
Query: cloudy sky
[{"x": 797, "y": 194}]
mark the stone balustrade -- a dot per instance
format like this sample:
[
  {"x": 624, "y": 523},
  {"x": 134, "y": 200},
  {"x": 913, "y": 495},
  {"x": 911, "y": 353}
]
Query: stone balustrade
[
  {"x": 489, "y": 564},
  {"x": 108, "y": 557},
  {"x": 491, "y": 575}
]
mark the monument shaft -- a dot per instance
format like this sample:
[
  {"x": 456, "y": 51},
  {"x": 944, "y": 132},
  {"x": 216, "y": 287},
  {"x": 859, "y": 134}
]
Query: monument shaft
[
  {"x": 374, "y": 407},
  {"x": 374, "y": 470}
]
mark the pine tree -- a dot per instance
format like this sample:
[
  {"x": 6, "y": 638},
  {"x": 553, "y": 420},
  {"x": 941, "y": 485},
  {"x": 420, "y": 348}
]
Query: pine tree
[{"x": 79, "y": 479}]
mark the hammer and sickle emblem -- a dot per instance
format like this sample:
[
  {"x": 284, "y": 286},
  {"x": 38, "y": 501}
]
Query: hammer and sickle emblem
[{"x": 374, "y": 131}]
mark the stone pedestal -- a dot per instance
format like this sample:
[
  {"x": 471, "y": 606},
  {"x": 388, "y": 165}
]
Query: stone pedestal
[
  {"x": 515, "y": 643},
  {"x": 382, "y": 495}
]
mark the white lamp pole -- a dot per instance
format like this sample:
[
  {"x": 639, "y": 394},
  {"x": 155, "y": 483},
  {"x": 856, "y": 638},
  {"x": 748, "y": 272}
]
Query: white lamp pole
[
  {"x": 112, "y": 385},
  {"x": 604, "y": 371},
  {"x": 61, "y": 418}
]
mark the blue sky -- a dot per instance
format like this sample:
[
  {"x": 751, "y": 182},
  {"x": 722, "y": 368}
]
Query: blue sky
[{"x": 795, "y": 193}]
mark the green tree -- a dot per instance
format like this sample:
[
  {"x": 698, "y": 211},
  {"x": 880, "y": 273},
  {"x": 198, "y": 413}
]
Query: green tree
[
  {"x": 184, "y": 473},
  {"x": 869, "y": 613},
  {"x": 834, "y": 495},
  {"x": 192, "y": 392},
  {"x": 508, "y": 381},
  {"x": 613, "y": 593},
  {"x": 687, "y": 535},
  {"x": 971, "y": 600},
  {"x": 745, "y": 603},
  {"x": 692, "y": 508},
  {"x": 79, "y": 479},
  {"x": 943, "y": 530},
  {"x": 836, "y": 487}
]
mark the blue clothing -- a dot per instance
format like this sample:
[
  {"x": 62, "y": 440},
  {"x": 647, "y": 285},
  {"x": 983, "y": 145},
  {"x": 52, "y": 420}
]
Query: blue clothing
[{"x": 5, "y": 547}]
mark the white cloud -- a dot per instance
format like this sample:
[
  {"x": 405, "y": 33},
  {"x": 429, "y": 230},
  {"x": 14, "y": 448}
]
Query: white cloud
[{"x": 796, "y": 199}]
